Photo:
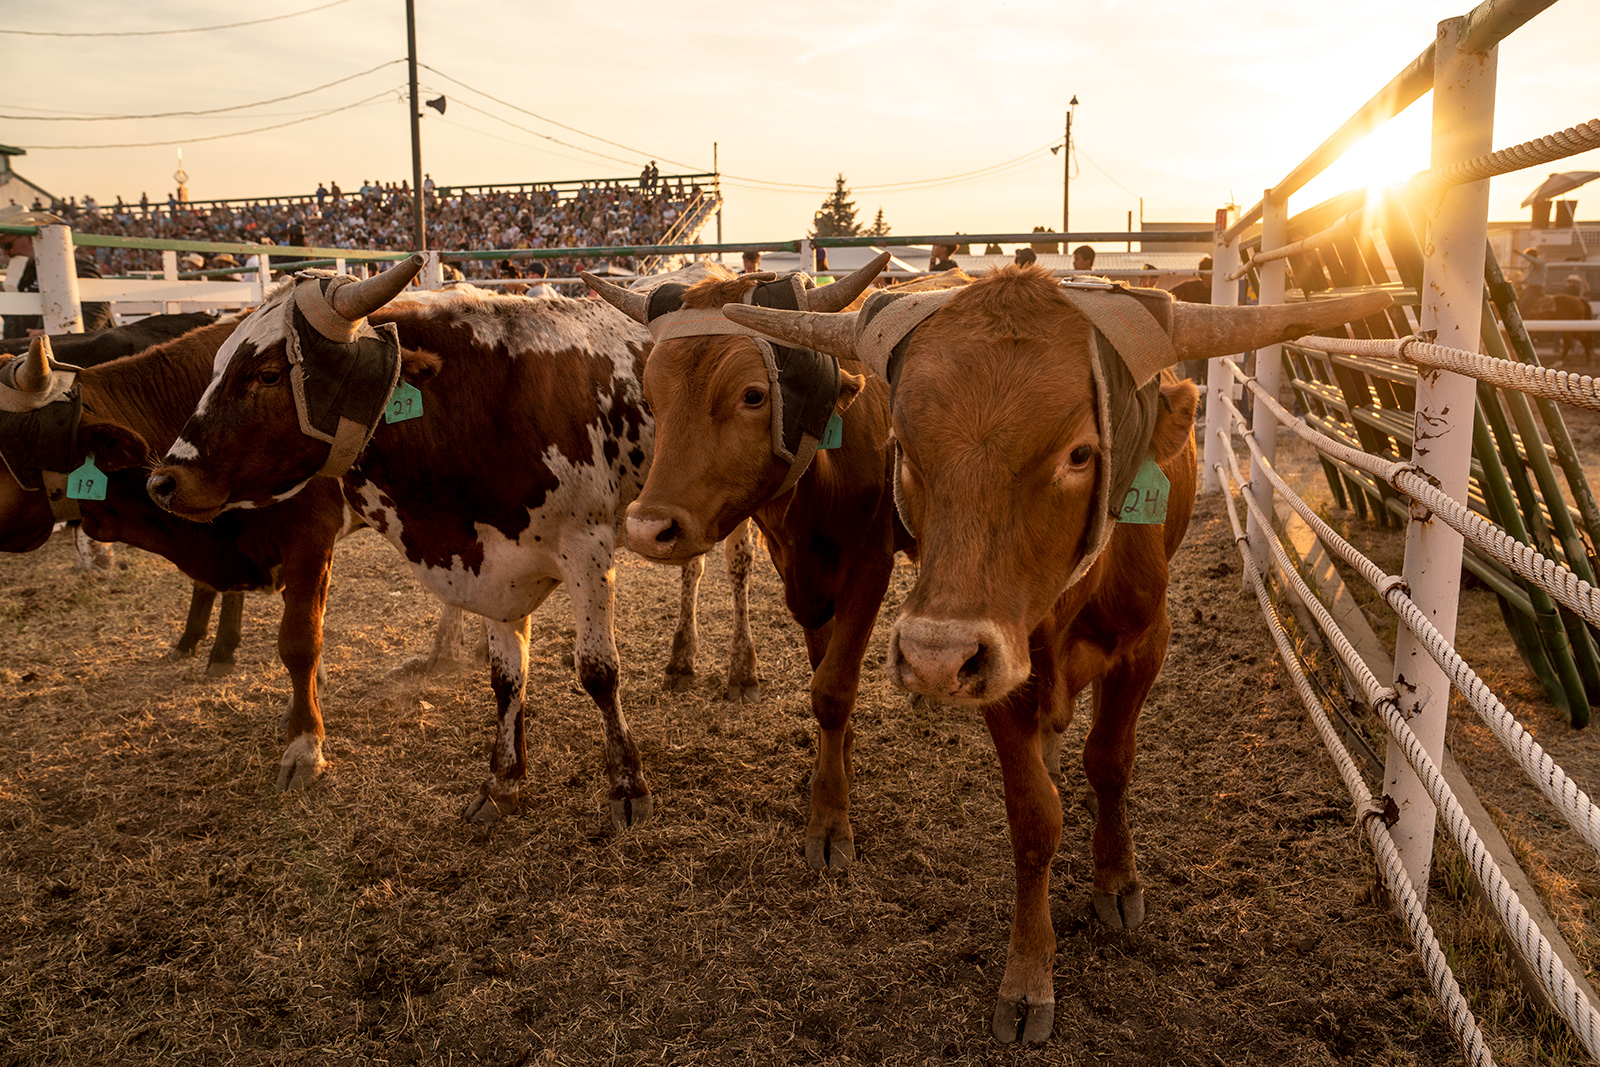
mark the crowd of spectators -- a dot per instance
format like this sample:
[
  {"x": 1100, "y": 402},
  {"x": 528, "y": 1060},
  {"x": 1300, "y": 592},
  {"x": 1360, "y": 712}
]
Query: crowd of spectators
[{"x": 379, "y": 217}]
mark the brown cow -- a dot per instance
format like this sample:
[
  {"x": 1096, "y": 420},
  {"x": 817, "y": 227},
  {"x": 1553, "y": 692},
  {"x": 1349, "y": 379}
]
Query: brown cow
[
  {"x": 1017, "y": 432},
  {"x": 722, "y": 404}
]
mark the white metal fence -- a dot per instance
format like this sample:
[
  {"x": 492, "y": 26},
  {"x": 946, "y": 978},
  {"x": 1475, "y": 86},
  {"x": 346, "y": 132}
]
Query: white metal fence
[{"x": 1460, "y": 70}]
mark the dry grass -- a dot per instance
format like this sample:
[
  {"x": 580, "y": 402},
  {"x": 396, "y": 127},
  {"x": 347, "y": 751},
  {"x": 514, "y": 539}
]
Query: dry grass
[{"x": 164, "y": 905}]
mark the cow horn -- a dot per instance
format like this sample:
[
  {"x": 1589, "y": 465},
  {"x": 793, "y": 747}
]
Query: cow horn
[
  {"x": 1202, "y": 331},
  {"x": 33, "y": 373},
  {"x": 354, "y": 301},
  {"x": 634, "y": 305},
  {"x": 834, "y": 334},
  {"x": 837, "y": 297}
]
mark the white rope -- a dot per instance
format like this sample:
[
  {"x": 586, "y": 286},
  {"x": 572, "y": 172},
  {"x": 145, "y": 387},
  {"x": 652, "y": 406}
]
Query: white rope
[
  {"x": 1563, "y": 794},
  {"x": 1463, "y": 1026},
  {"x": 1528, "y": 563},
  {"x": 1568, "y": 142},
  {"x": 1535, "y": 948},
  {"x": 1577, "y": 389}
]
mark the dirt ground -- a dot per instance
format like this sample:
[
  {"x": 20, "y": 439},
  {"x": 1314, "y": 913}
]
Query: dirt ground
[{"x": 163, "y": 904}]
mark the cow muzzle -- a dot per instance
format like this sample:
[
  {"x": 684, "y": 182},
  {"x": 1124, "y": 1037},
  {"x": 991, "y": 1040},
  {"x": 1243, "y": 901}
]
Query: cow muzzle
[
  {"x": 178, "y": 490},
  {"x": 960, "y": 660},
  {"x": 664, "y": 534}
]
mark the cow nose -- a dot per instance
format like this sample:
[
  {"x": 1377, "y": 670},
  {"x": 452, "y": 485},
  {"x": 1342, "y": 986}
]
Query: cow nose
[
  {"x": 946, "y": 658},
  {"x": 653, "y": 536},
  {"x": 161, "y": 487}
]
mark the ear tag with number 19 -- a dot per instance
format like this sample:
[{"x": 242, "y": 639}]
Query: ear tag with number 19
[
  {"x": 404, "y": 403},
  {"x": 88, "y": 482},
  {"x": 832, "y": 434}
]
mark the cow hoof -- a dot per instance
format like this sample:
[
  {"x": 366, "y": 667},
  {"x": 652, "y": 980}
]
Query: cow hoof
[
  {"x": 179, "y": 652},
  {"x": 678, "y": 681},
  {"x": 484, "y": 811},
  {"x": 302, "y": 764},
  {"x": 1123, "y": 911},
  {"x": 1025, "y": 1020},
  {"x": 742, "y": 693},
  {"x": 631, "y": 811},
  {"x": 429, "y": 666},
  {"x": 219, "y": 668},
  {"x": 824, "y": 854}
]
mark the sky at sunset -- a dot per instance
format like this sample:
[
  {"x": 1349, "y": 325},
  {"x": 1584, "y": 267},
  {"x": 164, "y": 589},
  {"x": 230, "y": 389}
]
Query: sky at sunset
[{"x": 942, "y": 114}]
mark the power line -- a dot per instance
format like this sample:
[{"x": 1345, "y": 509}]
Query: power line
[
  {"x": 217, "y": 136},
  {"x": 207, "y": 111},
  {"x": 546, "y": 136},
  {"x": 1109, "y": 178},
  {"x": 511, "y": 141},
  {"x": 161, "y": 33}
]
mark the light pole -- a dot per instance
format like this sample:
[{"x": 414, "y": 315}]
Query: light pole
[
  {"x": 418, "y": 223},
  {"x": 1066, "y": 170}
]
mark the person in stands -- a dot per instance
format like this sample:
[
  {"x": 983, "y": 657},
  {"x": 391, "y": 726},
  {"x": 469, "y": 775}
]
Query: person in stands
[
  {"x": 940, "y": 259},
  {"x": 1026, "y": 257},
  {"x": 752, "y": 262},
  {"x": 1083, "y": 258}
]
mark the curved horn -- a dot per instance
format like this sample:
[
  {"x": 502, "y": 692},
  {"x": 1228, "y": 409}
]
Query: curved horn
[
  {"x": 354, "y": 301},
  {"x": 834, "y": 334},
  {"x": 634, "y": 305},
  {"x": 837, "y": 297},
  {"x": 1201, "y": 331},
  {"x": 33, "y": 372}
]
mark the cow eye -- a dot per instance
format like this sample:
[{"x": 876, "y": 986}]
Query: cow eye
[
  {"x": 1080, "y": 455},
  {"x": 270, "y": 377},
  {"x": 754, "y": 397}
]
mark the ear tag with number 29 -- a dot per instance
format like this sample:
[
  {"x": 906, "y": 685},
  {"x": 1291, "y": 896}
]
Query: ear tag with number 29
[
  {"x": 404, "y": 403},
  {"x": 88, "y": 482}
]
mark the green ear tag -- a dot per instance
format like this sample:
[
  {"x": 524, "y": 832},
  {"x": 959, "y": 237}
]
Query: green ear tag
[
  {"x": 1146, "y": 501},
  {"x": 404, "y": 403},
  {"x": 832, "y": 434},
  {"x": 88, "y": 482}
]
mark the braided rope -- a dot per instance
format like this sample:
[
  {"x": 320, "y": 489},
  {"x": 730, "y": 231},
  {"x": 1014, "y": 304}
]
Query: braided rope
[
  {"x": 1535, "y": 948},
  {"x": 1563, "y": 794},
  {"x": 1568, "y": 142},
  {"x": 1580, "y": 390},
  {"x": 1529, "y": 563},
  {"x": 1463, "y": 1025}
]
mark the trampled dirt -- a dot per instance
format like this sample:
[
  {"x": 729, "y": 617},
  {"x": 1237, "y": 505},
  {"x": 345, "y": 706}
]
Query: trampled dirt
[{"x": 162, "y": 903}]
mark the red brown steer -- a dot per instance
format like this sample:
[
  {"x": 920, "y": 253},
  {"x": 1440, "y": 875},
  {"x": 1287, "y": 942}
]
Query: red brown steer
[
  {"x": 720, "y": 405},
  {"x": 529, "y": 441},
  {"x": 1011, "y": 425}
]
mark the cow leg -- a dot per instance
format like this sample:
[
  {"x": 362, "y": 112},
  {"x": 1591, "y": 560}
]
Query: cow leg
[
  {"x": 201, "y": 598},
  {"x": 230, "y": 630},
  {"x": 836, "y": 653},
  {"x": 591, "y": 583},
  {"x": 1108, "y": 754},
  {"x": 1025, "y": 1010},
  {"x": 92, "y": 555},
  {"x": 508, "y": 760},
  {"x": 739, "y": 552},
  {"x": 445, "y": 656},
  {"x": 305, "y": 597},
  {"x": 686, "y": 639}
]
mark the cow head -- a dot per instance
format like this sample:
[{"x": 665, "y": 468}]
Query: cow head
[
  {"x": 737, "y": 419},
  {"x": 45, "y": 434},
  {"x": 1006, "y": 448},
  {"x": 296, "y": 391}
]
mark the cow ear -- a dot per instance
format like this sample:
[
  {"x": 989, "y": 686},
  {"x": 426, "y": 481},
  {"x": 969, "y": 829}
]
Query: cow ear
[
  {"x": 850, "y": 386},
  {"x": 1175, "y": 418},
  {"x": 115, "y": 447},
  {"x": 418, "y": 365}
]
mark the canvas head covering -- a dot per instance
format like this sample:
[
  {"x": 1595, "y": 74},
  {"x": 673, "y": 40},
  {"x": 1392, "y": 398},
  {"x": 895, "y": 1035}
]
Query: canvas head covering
[
  {"x": 39, "y": 443},
  {"x": 341, "y": 372},
  {"x": 1130, "y": 340}
]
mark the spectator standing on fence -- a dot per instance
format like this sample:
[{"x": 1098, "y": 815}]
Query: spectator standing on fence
[
  {"x": 427, "y": 186},
  {"x": 940, "y": 259},
  {"x": 96, "y": 316},
  {"x": 1083, "y": 258},
  {"x": 144, "y": 204},
  {"x": 322, "y": 195}
]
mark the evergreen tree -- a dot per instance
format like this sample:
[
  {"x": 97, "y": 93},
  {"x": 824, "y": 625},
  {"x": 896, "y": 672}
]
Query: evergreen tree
[
  {"x": 879, "y": 227},
  {"x": 837, "y": 216}
]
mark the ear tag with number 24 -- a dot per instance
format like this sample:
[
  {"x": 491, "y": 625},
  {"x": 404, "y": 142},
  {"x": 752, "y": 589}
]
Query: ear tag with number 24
[
  {"x": 1146, "y": 500},
  {"x": 404, "y": 403},
  {"x": 88, "y": 482}
]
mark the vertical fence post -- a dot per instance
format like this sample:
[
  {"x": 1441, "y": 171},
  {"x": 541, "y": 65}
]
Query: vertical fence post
[
  {"x": 1269, "y": 368},
  {"x": 169, "y": 272},
  {"x": 807, "y": 259},
  {"x": 58, "y": 280},
  {"x": 431, "y": 275},
  {"x": 1224, "y": 258},
  {"x": 263, "y": 274},
  {"x": 1452, "y": 301}
]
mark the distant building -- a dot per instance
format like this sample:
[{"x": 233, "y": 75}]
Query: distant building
[{"x": 14, "y": 186}]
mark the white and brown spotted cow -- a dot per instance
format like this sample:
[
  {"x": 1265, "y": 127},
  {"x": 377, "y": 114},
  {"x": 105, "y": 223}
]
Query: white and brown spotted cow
[
  {"x": 531, "y": 441},
  {"x": 1027, "y": 415}
]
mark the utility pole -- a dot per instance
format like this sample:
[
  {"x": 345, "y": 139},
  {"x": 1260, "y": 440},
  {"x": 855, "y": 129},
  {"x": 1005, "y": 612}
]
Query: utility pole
[
  {"x": 418, "y": 219},
  {"x": 716, "y": 185},
  {"x": 1066, "y": 170}
]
